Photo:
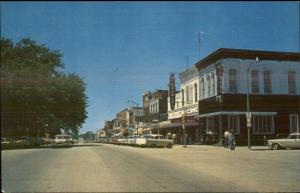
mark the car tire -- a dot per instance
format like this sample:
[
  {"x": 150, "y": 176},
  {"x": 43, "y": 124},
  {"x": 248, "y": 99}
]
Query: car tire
[
  {"x": 169, "y": 145},
  {"x": 275, "y": 146}
]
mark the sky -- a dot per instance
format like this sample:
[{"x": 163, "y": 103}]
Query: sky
[{"x": 123, "y": 49}]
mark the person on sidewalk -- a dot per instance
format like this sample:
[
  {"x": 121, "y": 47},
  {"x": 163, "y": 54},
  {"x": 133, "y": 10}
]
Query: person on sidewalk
[
  {"x": 226, "y": 138},
  {"x": 231, "y": 140}
]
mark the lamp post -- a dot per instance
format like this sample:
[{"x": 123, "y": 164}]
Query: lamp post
[
  {"x": 137, "y": 114},
  {"x": 248, "y": 115}
]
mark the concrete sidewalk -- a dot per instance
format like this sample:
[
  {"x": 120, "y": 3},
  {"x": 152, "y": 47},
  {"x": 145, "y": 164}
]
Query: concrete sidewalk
[{"x": 215, "y": 147}]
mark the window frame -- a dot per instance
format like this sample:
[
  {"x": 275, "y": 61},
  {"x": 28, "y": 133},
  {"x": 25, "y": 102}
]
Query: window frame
[
  {"x": 297, "y": 118},
  {"x": 232, "y": 78},
  {"x": 267, "y": 82},
  {"x": 236, "y": 122},
  {"x": 262, "y": 119},
  {"x": 254, "y": 81}
]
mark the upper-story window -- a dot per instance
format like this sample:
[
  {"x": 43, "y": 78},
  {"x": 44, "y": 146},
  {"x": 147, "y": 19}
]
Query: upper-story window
[
  {"x": 196, "y": 92},
  {"x": 232, "y": 80},
  {"x": 202, "y": 87},
  {"x": 255, "y": 81},
  {"x": 292, "y": 82},
  {"x": 267, "y": 82},
  {"x": 208, "y": 85},
  {"x": 213, "y": 84},
  {"x": 189, "y": 94},
  {"x": 182, "y": 97}
]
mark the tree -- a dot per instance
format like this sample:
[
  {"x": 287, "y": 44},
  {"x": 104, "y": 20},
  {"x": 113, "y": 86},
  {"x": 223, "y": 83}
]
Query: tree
[{"x": 36, "y": 96}]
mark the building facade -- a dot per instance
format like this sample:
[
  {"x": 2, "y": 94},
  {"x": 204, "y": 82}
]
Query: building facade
[{"x": 272, "y": 82}]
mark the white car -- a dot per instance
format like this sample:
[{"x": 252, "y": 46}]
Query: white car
[
  {"x": 292, "y": 141},
  {"x": 156, "y": 140},
  {"x": 63, "y": 139}
]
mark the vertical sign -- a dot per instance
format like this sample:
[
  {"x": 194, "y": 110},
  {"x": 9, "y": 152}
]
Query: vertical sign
[{"x": 172, "y": 91}]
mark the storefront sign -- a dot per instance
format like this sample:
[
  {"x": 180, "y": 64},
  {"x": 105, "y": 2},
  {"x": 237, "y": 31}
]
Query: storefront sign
[{"x": 172, "y": 91}]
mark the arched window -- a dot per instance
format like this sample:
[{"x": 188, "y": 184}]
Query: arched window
[
  {"x": 208, "y": 85},
  {"x": 232, "y": 80},
  {"x": 202, "y": 87},
  {"x": 196, "y": 92},
  {"x": 182, "y": 97},
  {"x": 213, "y": 84},
  {"x": 267, "y": 82},
  {"x": 255, "y": 81}
]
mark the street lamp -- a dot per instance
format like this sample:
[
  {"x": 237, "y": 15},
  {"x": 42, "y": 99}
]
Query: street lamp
[
  {"x": 248, "y": 115},
  {"x": 137, "y": 114}
]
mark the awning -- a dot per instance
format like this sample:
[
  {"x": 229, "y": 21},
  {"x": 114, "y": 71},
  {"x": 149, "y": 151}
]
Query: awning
[
  {"x": 118, "y": 134},
  {"x": 234, "y": 113}
]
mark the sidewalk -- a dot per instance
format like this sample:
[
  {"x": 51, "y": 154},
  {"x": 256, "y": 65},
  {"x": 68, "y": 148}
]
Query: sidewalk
[{"x": 253, "y": 148}]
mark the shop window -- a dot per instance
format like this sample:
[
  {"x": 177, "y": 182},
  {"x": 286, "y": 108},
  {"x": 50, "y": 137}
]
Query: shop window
[
  {"x": 234, "y": 123},
  {"x": 263, "y": 124},
  {"x": 294, "y": 123}
]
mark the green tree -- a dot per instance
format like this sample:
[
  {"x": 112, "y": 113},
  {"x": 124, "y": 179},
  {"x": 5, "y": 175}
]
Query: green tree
[{"x": 36, "y": 96}]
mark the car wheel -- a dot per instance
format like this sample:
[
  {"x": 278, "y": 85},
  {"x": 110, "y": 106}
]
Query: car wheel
[
  {"x": 169, "y": 145},
  {"x": 275, "y": 146}
]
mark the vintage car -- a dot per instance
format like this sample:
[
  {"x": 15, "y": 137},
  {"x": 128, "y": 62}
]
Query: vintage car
[
  {"x": 292, "y": 141},
  {"x": 156, "y": 140},
  {"x": 63, "y": 139}
]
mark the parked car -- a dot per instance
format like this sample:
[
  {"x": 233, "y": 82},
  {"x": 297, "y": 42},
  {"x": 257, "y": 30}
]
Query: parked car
[
  {"x": 292, "y": 141},
  {"x": 63, "y": 139},
  {"x": 5, "y": 140},
  {"x": 29, "y": 141},
  {"x": 156, "y": 140},
  {"x": 47, "y": 141}
]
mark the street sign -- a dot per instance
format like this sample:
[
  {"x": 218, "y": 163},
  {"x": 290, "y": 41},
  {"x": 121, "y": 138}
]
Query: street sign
[{"x": 248, "y": 116}]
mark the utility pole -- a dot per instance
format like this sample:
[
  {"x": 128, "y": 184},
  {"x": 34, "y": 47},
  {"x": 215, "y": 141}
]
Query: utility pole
[{"x": 248, "y": 114}]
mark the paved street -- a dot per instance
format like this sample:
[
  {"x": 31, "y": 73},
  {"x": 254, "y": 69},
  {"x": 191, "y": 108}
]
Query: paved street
[{"x": 104, "y": 167}]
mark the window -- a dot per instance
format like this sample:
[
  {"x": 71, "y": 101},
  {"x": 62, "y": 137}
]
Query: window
[
  {"x": 294, "y": 123},
  {"x": 292, "y": 82},
  {"x": 232, "y": 80},
  {"x": 254, "y": 81},
  {"x": 196, "y": 93},
  {"x": 267, "y": 82},
  {"x": 182, "y": 97},
  {"x": 189, "y": 94},
  {"x": 203, "y": 88},
  {"x": 263, "y": 124},
  {"x": 234, "y": 123},
  {"x": 213, "y": 84},
  {"x": 208, "y": 86},
  {"x": 210, "y": 124}
]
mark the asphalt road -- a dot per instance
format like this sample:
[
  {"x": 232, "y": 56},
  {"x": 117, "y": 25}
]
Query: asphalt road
[{"x": 111, "y": 168}]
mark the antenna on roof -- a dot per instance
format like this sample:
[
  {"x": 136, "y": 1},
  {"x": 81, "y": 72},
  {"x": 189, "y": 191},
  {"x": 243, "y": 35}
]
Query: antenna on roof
[{"x": 199, "y": 40}]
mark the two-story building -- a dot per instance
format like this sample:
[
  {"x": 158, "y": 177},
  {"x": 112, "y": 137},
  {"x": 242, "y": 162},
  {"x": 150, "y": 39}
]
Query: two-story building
[{"x": 270, "y": 79}]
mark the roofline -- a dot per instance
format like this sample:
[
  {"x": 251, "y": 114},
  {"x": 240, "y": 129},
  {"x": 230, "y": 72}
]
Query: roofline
[{"x": 222, "y": 53}]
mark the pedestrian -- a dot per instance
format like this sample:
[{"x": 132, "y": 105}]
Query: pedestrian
[
  {"x": 231, "y": 140},
  {"x": 173, "y": 137},
  {"x": 226, "y": 136}
]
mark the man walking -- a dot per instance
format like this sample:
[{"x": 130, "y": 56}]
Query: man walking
[
  {"x": 226, "y": 138},
  {"x": 231, "y": 140}
]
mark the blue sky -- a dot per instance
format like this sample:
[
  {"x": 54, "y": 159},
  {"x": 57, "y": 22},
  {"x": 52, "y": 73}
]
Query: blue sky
[{"x": 124, "y": 49}]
